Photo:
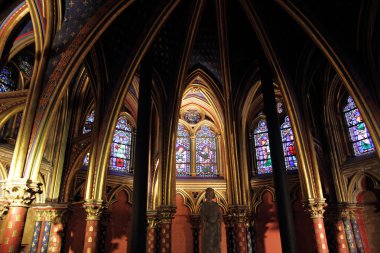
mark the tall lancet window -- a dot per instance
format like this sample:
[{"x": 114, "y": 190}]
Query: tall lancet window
[
  {"x": 263, "y": 159},
  {"x": 182, "y": 151},
  {"x": 121, "y": 146},
  {"x": 89, "y": 122},
  {"x": 206, "y": 155},
  {"x": 288, "y": 145},
  {"x": 359, "y": 135}
]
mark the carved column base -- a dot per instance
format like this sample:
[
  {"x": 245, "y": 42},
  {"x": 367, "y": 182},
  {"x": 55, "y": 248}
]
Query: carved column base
[{"x": 316, "y": 208}]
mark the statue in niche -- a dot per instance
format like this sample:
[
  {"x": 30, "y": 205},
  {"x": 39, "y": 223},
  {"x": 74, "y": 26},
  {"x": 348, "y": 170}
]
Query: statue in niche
[{"x": 210, "y": 223}]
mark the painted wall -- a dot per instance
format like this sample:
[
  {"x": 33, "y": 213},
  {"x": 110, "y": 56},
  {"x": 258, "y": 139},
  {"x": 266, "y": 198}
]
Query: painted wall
[
  {"x": 76, "y": 229},
  {"x": 267, "y": 227},
  {"x": 182, "y": 237},
  {"x": 268, "y": 230},
  {"x": 119, "y": 226}
]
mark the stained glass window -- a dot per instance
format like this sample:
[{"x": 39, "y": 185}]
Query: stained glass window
[
  {"x": 359, "y": 135},
  {"x": 192, "y": 116},
  {"x": 182, "y": 151},
  {"x": 86, "y": 160},
  {"x": 6, "y": 80},
  {"x": 263, "y": 159},
  {"x": 120, "y": 158},
  {"x": 89, "y": 122},
  {"x": 288, "y": 145},
  {"x": 206, "y": 163},
  {"x": 25, "y": 64}
]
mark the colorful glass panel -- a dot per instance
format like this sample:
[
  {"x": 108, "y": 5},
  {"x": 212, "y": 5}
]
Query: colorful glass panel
[
  {"x": 288, "y": 145},
  {"x": 192, "y": 116},
  {"x": 86, "y": 159},
  {"x": 6, "y": 80},
  {"x": 121, "y": 146},
  {"x": 182, "y": 151},
  {"x": 360, "y": 138},
  {"x": 25, "y": 64},
  {"x": 206, "y": 156},
  {"x": 89, "y": 122},
  {"x": 262, "y": 150}
]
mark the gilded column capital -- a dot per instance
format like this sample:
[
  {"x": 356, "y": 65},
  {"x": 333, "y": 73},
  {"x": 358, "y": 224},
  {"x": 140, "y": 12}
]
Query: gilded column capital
[
  {"x": 21, "y": 192},
  {"x": 315, "y": 207},
  {"x": 55, "y": 213},
  {"x": 238, "y": 213},
  {"x": 166, "y": 214},
  {"x": 93, "y": 210},
  {"x": 152, "y": 219}
]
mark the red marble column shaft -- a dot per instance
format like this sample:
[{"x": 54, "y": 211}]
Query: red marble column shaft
[
  {"x": 90, "y": 239},
  {"x": 151, "y": 240},
  {"x": 340, "y": 237},
  {"x": 166, "y": 240},
  {"x": 320, "y": 235},
  {"x": 55, "y": 241},
  {"x": 241, "y": 238},
  {"x": 14, "y": 228}
]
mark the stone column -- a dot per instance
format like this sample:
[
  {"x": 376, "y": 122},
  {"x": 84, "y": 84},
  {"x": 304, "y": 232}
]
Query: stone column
[
  {"x": 353, "y": 212},
  {"x": 104, "y": 221},
  {"x": 93, "y": 215},
  {"x": 219, "y": 155},
  {"x": 193, "y": 162},
  {"x": 142, "y": 155},
  {"x": 19, "y": 194},
  {"x": 345, "y": 214},
  {"x": 239, "y": 220},
  {"x": 151, "y": 232},
  {"x": 335, "y": 222},
  {"x": 315, "y": 207},
  {"x": 251, "y": 233},
  {"x": 195, "y": 221},
  {"x": 36, "y": 231},
  {"x": 45, "y": 231},
  {"x": 283, "y": 203},
  {"x": 166, "y": 215},
  {"x": 230, "y": 233},
  {"x": 58, "y": 217}
]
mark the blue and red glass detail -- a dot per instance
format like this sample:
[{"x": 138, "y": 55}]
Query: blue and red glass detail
[
  {"x": 262, "y": 150},
  {"x": 206, "y": 157},
  {"x": 360, "y": 138},
  {"x": 6, "y": 80},
  {"x": 120, "y": 157},
  {"x": 182, "y": 151}
]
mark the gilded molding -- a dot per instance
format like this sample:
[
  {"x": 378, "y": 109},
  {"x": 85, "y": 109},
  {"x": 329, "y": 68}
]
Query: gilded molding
[
  {"x": 21, "y": 192},
  {"x": 315, "y": 207}
]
